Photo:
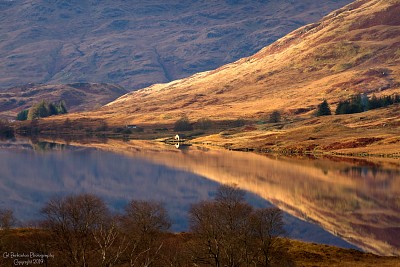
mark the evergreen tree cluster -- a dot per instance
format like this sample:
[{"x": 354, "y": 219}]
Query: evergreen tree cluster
[
  {"x": 360, "y": 103},
  {"x": 42, "y": 110},
  {"x": 323, "y": 109},
  {"x": 275, "y": 117},
  {"x": 383, "y": 101}
]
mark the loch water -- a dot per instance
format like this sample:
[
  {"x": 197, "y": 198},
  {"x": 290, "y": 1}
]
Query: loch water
[{"x": 352, "y": 203}]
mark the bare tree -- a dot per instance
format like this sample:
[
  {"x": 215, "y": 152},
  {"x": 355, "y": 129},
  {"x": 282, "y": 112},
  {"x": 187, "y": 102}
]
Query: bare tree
[
  {"x": 229, "y": 232},
  {"x": 143, "y": 223},
  {"x": 176, "y": 250},
  {"x": 221, "y": 228},
  {"x": 72, "y": 221},
  {"x": 233, "y": 215},
  {"x": 110, "y": 241},
  {"x": 267, "y": 230},
  {"x": 208, "y": 233}
]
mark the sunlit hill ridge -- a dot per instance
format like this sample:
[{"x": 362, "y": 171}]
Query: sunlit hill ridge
[{"x": 355, "y": 49}]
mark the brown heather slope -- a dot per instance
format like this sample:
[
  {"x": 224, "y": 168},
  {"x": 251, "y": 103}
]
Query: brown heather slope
[
  {"x": 354, "y": 49},
  {"x": 77, "y": 96},
  {"x": 302, "y": 253},
  {"x": 138, "y": 43},
  {"x": 375, "y": 132}
]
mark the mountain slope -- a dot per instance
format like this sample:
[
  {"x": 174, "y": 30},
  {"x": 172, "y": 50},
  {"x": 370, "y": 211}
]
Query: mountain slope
[
  {"x": 138, "y": 43},
  {"x": 354, "y": 49}
]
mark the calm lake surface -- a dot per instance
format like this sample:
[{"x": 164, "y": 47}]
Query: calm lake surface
[{"x": 348, "y": 203}]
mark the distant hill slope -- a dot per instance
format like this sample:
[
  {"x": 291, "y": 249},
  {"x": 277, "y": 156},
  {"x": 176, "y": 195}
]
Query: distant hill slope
[
  {"x": 77, "y": 96},
  {"x": 138, "y": 43},
  {"x": 353, "y": 49}
]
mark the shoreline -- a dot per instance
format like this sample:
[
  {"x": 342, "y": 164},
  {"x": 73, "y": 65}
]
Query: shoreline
[{"x": 282, "y": 151}]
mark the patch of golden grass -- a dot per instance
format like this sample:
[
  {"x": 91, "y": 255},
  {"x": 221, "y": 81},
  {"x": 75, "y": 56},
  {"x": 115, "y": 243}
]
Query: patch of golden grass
[
  {"x": 374, "y": 133},
  {"x": 311, "y": 254}
]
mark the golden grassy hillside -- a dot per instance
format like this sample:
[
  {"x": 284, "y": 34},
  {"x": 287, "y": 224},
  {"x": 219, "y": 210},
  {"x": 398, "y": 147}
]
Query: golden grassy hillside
[
  {"x": 374, "y": 132},
  {"x": 354, "y": 49}
]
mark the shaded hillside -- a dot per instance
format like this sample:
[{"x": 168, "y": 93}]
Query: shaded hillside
[
  {"x": 138, "y": 43},
  {"x": 354, "y": 49},
  {"x": 77, "y": 96}
]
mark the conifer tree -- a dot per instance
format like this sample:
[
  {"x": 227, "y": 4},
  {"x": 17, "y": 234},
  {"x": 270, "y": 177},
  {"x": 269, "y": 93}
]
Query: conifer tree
[{"x": 324, "y": 109}]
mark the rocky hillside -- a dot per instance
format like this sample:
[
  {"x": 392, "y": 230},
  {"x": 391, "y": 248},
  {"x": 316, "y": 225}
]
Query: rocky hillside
[
  {"x": 138, "y": 43},
  {"x": 77, "y": 96},
  {"x": 353, "y": 49}
]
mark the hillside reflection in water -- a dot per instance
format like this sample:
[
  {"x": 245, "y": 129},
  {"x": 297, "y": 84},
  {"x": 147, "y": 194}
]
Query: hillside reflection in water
[{"x": 358, "y": 201}]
